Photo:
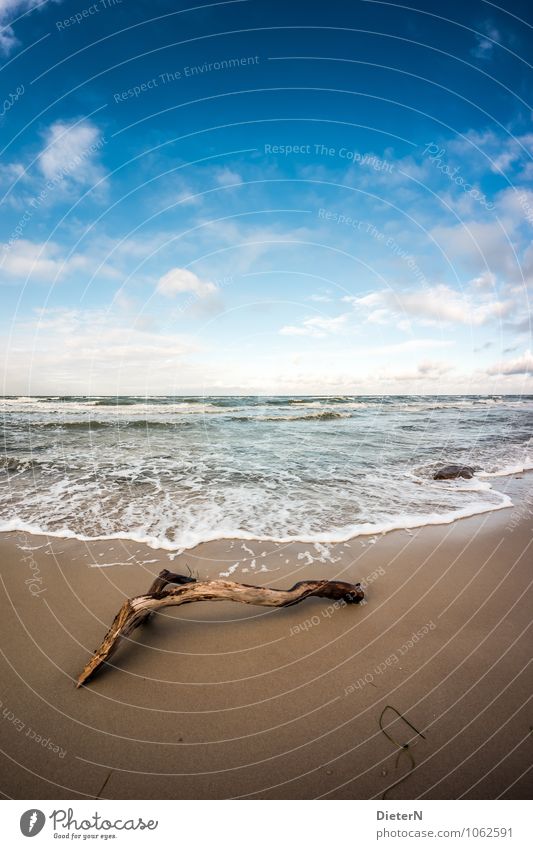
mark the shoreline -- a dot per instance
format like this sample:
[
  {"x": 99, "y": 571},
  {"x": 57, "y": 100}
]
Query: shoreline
[
  {"x": 185, "y": 485},
  {"x": 409, "y": 523},
  {"x": 230, "y": 701}
]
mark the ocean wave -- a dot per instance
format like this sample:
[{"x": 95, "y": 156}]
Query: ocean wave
[
  {"x": 89, "y": 425},
  {"x": 510, "y": 469},
  {"x": 249, "y": 405},
  {"x": 75, "y": 424},
  {"x": 325, "y": 415},
  {"x": 176, "y": 472},
  {"x": 17, "y": 464},
  {"x": 174, "y": 420},
  {"x": 297, "y": 401},
  {"x": 493, "y": 467},
  {"x": 191, "y": 538},
  {"x": 116, "y": 402}
]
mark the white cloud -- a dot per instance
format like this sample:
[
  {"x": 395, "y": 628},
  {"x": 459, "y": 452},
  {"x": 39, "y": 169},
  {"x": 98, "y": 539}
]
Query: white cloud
[
  {"x": 25, "y": 259},
  {"x": 476, "y": 243},
  {"x": 527, "y": 265},
  {"x": 486, "y": 280},
  {"x": 503, "y": 151},
  {"x": 10, "y": 172},
  {"x": 227, "y": 177},
  {"x": 317, "y": 326},
  {"x": 439, "y": 304},
  {"x": 93, "y": 351},
  {"x": 179, "y": 280},
  {"x": 520, "y": 365},
  {"x": 68, "y": 161},
  {"x": 485, "y": 43},
  {"x": 10, "y": 10},
  {"x": 427, "y": 370},
  {"x": 71, "y": 153},
  {"x": 511, "y": 151},
  {"x": 516, "y": 204},
  {"x": 409, "y": 345}
]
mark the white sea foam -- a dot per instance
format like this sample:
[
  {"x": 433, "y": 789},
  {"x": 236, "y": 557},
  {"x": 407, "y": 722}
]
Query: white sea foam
[
  {"x": 506, "y": 471},
  {"x": 191, "y": 539}
]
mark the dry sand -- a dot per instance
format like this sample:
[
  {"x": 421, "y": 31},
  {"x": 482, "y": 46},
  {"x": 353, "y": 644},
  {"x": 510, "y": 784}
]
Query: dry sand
[{"x": 225, "y": 700}]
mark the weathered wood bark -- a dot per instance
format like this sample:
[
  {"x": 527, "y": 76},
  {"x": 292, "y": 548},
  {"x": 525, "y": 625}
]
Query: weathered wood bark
[{"x": 136, "y": 610}]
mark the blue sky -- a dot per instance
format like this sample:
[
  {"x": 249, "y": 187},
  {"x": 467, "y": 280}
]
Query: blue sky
[{"x": 265, "y": 197}]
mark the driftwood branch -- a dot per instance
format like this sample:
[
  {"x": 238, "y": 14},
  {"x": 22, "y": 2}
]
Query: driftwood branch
[{"x": 169, "y": 589}]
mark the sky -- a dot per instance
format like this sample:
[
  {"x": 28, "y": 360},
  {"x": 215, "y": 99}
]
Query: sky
[{"x": 261, "y": 197}]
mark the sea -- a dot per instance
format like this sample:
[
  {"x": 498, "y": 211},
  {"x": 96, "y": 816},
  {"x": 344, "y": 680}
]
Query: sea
[{"x": 174, "y": 472}]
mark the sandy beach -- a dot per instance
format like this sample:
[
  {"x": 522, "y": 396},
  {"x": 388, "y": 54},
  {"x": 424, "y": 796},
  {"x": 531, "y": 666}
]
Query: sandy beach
[{"x": 225, "y": 700}]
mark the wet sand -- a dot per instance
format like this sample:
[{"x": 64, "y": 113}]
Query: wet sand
[{"x": 219, "y": 700}]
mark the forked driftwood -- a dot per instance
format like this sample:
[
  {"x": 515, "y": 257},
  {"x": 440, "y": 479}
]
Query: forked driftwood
[{"x": 136, "y": 610}]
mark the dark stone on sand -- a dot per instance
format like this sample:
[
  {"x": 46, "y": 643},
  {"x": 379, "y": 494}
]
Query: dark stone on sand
[{"x": 446, "y": 473}]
